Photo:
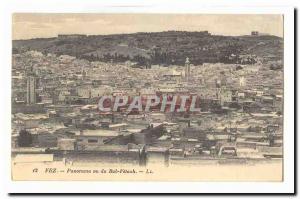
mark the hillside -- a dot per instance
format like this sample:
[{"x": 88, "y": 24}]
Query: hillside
[{"x": 169, "y": 47}]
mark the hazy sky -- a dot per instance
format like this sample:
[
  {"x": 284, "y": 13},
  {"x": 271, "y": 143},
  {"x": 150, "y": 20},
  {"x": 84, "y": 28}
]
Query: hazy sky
[{"x": 27, "y": 26}]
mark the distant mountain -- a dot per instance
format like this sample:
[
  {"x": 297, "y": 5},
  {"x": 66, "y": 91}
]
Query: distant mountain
[{"x": 170, "y": 47}]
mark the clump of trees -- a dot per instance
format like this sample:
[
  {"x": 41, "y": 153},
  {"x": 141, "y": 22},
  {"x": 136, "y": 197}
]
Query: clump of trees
[{"x": 25, "y": 139}]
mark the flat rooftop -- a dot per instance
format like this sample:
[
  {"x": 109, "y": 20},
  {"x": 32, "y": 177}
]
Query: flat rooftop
[
  {"x": 98, "y": 132},
  {"x": 33, "y": 158}
]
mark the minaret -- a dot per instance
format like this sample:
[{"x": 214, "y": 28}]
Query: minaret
[
  {"x": 84, "y": 73},
  {"x": 242, "y": 81},
  {"x": 187, "y": 69},
  {"x": 31, "y": 86}
]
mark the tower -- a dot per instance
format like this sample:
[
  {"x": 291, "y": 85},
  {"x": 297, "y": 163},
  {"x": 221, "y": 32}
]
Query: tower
[
  {"x": 242, "y": 81},
  {"x": 187, "y": 69},
  {"x": 31, "y": 86},
  {"x": 84, "y": 73}
]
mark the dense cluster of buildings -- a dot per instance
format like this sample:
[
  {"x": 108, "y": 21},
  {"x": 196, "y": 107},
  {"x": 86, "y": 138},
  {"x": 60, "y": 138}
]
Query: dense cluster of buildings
[{"x": 55, "y": 112}]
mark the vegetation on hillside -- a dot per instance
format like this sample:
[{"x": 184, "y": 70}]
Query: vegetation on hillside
[{"x": 166, "y": 48}]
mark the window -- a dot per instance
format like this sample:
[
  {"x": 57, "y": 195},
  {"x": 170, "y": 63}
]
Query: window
[{"x": 92, "y": 141}]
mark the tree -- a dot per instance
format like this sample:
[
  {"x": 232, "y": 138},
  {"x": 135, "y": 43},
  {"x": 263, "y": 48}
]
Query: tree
[{"x": 25, "y": 139}]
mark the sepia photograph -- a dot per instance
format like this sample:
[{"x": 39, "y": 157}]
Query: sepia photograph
[
  {"x": 147, "y": 97},
  {"x": 159, "y": 97}
]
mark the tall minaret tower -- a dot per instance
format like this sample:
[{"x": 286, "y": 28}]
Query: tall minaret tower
[
  {"x": 31, "y": 86},
  {"x": 187, "y": 69}
]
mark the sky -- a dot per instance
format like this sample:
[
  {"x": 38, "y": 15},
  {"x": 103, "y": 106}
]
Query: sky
[{"x": 37, "y": 25}]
